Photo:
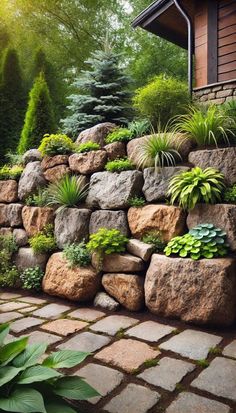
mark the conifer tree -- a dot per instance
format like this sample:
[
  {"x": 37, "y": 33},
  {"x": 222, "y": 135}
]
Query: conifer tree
[
  {"x": 39, "y": 118},
  {"x": 103, "y": 94}
]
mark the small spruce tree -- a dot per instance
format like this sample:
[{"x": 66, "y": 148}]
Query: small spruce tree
[
  {"x": 103, "y": 94},
  {"x": 39, "y": 118}
]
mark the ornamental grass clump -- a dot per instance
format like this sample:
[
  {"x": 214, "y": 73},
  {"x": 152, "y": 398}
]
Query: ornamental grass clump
[
  {"x": 139, "y": 128},
  {"x": 29, "y": 384},
  {"x": 56, "y": 144},
  {"x": 86, "y": 147},
  {"x": 77, "y": 255},
  {"x": 196, "y": 186},
  {"x": 119, "y": 165}
]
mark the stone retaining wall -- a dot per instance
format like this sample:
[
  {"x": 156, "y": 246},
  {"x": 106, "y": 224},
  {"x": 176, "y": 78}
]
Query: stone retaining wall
[{"x": 217, "y": 93}]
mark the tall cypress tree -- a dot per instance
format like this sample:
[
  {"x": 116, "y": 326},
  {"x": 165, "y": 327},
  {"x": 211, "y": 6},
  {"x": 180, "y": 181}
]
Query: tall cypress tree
[
  {"x": 39, "y": 118},
  {"x": 12, "y": 102},
  {"x": 103, "y": 94}
]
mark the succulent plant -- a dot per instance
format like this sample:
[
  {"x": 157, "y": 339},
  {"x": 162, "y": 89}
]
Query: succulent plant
[
  {"x": 184, "y": 246},
  {"x": 209, "y": 233}
]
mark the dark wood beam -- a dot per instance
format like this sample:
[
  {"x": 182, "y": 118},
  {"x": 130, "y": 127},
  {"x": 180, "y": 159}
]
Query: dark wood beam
[{"x": 212, "y": 56}]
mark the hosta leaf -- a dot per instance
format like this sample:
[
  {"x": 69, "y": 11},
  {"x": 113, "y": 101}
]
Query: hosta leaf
[
  {"x": 11, "y": 350},
  {"x": 23, "y": 400},
  {"x": 8, "y": 373},
  {"x": 65, "y": 359},
  {"x": 58, "y": 407},
  {"x": 4, "y": 330},
  {"x": 30, "y": 356},
  {"x": 37, "y": 374},
  {"x": 74, "y": 388}
]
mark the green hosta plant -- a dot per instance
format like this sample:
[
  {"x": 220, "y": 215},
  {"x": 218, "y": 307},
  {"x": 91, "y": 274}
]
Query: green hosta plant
[
  {"x": 137, "y": 201},
  {"x": 57, "y": 144},
  {"x": 119, "y": 165},
  {"x": 10, "y": 172},
  {"x": 43, "y": 241},
  {"x": 31, "y": 278},
  {"x": 87, "y": 147},
  {"x": 119, "y": 135},
  {"x": 77, "y": 254},
  {"x": 154, "y": 238},
  {"x": 230, "y": 194},
  {"x": 196, "y": 186},
  {"x": 28, "y": 385}
]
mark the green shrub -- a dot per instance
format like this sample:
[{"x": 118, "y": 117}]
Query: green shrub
[
  {"x": 9, "y": 276},
  {"x": 209, "y": 233},
  {"x": 39, "y": 199},
  {"x": 87, "y": 147},
  {"x": 43, "y": 241},
  {"x": 154, "y": 238},
  {"x": 56, "y": 144},
  {"x": 14, "y": 159},
  {"x": 107, "y": 241},
  {"x": 137, "y": 202},
  {"x": 206, "y": 127},
  {"x": 119, "y": 165},
  {"x": 162, "y": 99},
  {"x": 77, "y": 255},
  {"x": 196, "y": 186},
  {"x": 31, "y": 278},
  {"x": 139, "y": 128},
  {"x": 230, "y": 194},
  {"x": 157, "y": 151},
  {"x": 119, "y": 135},
  {"x": 31, "y": 385},
  {"x": 10, "y": 172},
  {"x": 69, "y": 191}
]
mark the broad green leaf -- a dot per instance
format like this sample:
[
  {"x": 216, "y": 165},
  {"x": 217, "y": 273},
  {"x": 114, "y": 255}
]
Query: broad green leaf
[
  {"x": 30, "y": 356},
  {"x": 65, "y": 359},
  {"x": 23, "y": 400},
  {"x": 11, "y": 350},
  {"x": 58, "y": 407},
  {"x": 37, "y": 374},
  {"x": 74, "y": 388},
  {"x": 4, "y": 330},
  {"x": 7, "y": 374}
]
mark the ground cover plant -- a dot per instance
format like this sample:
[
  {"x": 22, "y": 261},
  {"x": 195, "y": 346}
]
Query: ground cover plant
[
  {"x": 29, "y": 385},
  {"x": 87, "y": 147},
  {"x": 43, "y": 241},
  {"x": 56, "y": 144},
  {"x": 9, "y": 276},
  {"x": 154, "y": 238},
  {"x": 196, "y": 186},
  {"x": 119, "y": 165},
  {"x": 119, "y": 135},
  {"x": 69, "y": 191},
  {"x": 10, "y": 172},
  {"x": 77, "y": 255},
  {"x": 31, "y": 278}
]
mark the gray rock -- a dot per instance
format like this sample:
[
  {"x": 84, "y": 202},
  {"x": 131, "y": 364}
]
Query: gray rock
[
  {"x": 156, "y": 183},
  {"x": 113, "y": 190},
  {"x": 26, "y": 258},
  {"x": 31, "y": 179},
  {"x": 222, "y": 159},
  {"x": 31, "y": 156},
  {"x": 20, "y": 237},
  {"x": 10, "y": 215},
  {"x": 96, "y": 134},
  {"x": 119, "y": 263},
  {"x": 140, "y": 249},
  {"x": 71, "y": 225},
  {"x": 106, "y": 302},
  {"x": 192, "y": 403},
  {"x": 221, "y": 215},
  {"x": 110, "y": 220}
]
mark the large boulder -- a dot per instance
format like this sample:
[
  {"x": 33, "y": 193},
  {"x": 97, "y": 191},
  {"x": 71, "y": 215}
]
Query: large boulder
[
  {"x": 113, "y": 190},
  {"x": 222, "y": 159},
  {"x": 71, "y": 225},
  {"x": 31, "y": 179},
  {"x": 32, "y": 155},
  {"x": 122, "y": 263},
  {"x": 127, "y": 289},
  {"x": 27, "y": 258},
  {"x": 221, "y": 215},
  {"x": 156, "y": 183},
  {"x": 11, "y": 215},
  {"x": 169, "y": 220},
  {"x": 76, "y": 284},
  {"x": 51, "y": 161},
  {"x": 201, "y": 292},
  {"x": 88, "y": 163},
  {"x": 96, "y": 134},
  {"x": 36, "y": 218},
  {"x": 110, "y": 220},
  {"x": 115, "y": 150},
  {"x": 56, "y": 173},
  {"x": 8, "y": 191}
]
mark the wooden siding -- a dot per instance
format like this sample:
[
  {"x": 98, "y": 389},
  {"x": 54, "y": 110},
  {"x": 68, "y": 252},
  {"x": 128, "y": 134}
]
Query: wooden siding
[
  {"x": 226, "y": 40},
  {"x": 201, "y": 49}
]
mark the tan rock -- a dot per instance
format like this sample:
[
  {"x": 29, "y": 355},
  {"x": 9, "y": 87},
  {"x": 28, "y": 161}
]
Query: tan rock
[
  {"x": 201, "y": 292},
  {"x": 8, "y": 191},
  {"x": 97, "y": 133},
  {"x": 127, "y": 289},
  {"x": 51, "y": 161},
  {"x": 115, "y": 150},
  {"x": 56, "y": 173},
  {"x": 88, "y": 163},
  {"x": 35, "y": 218},
  {"x": 169, "y": 220},
  {"x": 119, "y": 263},
  {"x": 76, "y": 284},
  {"x": 140, "y": 249}
]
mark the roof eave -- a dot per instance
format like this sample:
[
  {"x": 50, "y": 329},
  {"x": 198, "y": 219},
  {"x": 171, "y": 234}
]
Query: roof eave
[{"x": 157, "y": 7}]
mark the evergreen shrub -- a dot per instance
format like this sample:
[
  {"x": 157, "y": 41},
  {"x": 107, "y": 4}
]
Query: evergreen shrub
[{"x": 55, "y": 144}]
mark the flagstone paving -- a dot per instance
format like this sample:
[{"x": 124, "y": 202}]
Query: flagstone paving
[{"x": 139, "y": 363}]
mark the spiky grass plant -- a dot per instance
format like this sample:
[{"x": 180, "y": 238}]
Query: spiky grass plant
[
  {"x": 67, "y": 192},
  {"x": 209, "y": 127},
  {"x": 196, "y": 186}
]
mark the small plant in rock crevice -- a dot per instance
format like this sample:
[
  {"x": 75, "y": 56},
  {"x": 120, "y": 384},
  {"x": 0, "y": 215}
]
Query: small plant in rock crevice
[
  {"x": 39, "y": 199},
  {"x": 119, "y": 135},
  {"x": 86, "y": 147},
  {"x": 31, "y": 278},
  {"x": 43, "y": 241},
  {"x": 119, "y": 165},
  {"x": 77, "y": 255},
  {"x": 137, "y": 202},
  {"x": 9, "y": 276},
  {"x": 154, "y": 238},
  {"x": 230, "y": 194}
]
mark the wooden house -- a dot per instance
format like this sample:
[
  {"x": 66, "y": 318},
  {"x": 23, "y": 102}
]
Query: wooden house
[{"x": 207, "y": 29}]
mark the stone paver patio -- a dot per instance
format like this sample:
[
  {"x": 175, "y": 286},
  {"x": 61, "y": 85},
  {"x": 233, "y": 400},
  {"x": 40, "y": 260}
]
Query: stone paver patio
[{"x": 139, "y": 363}]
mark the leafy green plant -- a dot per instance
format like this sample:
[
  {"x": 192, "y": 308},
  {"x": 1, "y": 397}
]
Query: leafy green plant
[
  {"x": 228, "y": 109},
  {"x": 31, "y": 278},
  {"x": 158, "y": 150},
  {"x": 118, "y": 165},
  {"x": 14, "y": 159},
  {"x": 39, "y": 199},
  {"x": 10, "y": 172},
  {"x": 206, "y": 127},
  {"x": 196, "y": 186},
  {"x": 119, "y": 135},
  {"x": 137, "y": 201},
  {"x": 69, "y": 191},
  {"x": 230, "y": 194},
  {"x": 77, "y": 254},
  {"x": 139, "y": 128},
  {"x": 28, "y": 385},
  {"x": 56, "y": 144},
  {"x": 43, "y": 241},
  {"x": 208, "y": 233},
  {"x": 9, "y": 276},
  {"x": 86, "y": 147},
  {"x": 154, "y": 238}
]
